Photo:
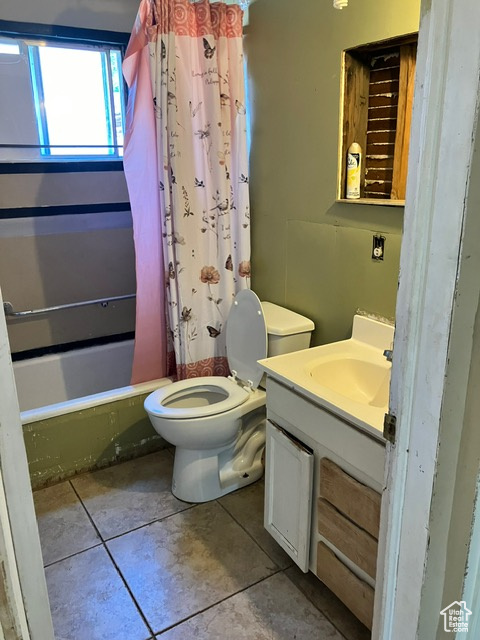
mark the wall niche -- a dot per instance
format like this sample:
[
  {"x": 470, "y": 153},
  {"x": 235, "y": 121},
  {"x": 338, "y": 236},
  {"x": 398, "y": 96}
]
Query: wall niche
[{"x": 376, "y": 109}]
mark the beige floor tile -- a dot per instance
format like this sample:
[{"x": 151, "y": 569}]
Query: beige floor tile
[
  {"x": 246, "y": 506},
  {"x": 63, "y": 525},
  {"x": 329, "y": 604},
  {"x": 89, "y": 600},
  {"x": 130, "y": 494},
  {"x": 187, "y": 562},
  {"x": 274, "y": 609}
]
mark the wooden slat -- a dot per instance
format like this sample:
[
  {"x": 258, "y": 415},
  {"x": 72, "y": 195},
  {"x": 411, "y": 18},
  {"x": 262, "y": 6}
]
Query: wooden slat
[
  {"x": 377, "y": 196},
  {"x": 382, "y": 101},
  {"x": 355, "y": 543},
  {"x": 375, "y": 189},
  {"x": 356, "y": 594},
  {"x": 381, "y": 149},
  {"x": 382, "y": 88},
  {"x": 390, "y": 111},
  {"x": 381, "y": 124},
  {"x": 405, "y": 103},
  {"x": 378, "y": 174},
  {"x": 379, "y": 186},
  {"x": 381, "y": 137},
  {"x": 380, "y": 161},
  {"x": 355, "y": 500},
  {"x": 386, "y": 74}
]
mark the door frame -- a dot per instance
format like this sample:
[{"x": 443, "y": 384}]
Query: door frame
[
  {"x": 428, "y": 313},
  {"x": 23, "y": 591}
]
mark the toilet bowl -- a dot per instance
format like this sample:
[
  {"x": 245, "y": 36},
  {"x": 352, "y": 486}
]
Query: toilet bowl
[{"x": 217, "y": 424}]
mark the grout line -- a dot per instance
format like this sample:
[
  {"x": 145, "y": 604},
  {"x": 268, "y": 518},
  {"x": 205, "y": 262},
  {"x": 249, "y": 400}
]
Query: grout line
[
  {"x": 149, "y": 628},
  {"x": 251, "y": 536},
  {"x": 193, "y": 615},
  {"x": 72, "y": 555},
  {"x": 324, "y": 614},
  {"x": 147, "y": 524},
  {"x": 142, "y": 615}
]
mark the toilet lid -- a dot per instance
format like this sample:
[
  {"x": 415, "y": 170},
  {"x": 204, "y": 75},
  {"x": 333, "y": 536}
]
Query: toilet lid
[{"x": 246, "y": 337}]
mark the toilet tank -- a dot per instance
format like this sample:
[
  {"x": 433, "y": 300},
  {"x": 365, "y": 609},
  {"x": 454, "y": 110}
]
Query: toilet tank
[{"x": 287, "y": 331}]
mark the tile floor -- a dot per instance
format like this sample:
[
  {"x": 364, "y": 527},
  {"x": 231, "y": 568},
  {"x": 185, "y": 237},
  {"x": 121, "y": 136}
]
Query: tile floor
[{"x": 125, "y": 560}]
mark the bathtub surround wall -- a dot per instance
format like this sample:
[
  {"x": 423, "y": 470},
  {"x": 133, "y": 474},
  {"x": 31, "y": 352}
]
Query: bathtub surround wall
[
  {"x": 64, "y": 445},
  {"x": 80, "y": 413},
  {"x": 53, "y": 260},
  {"x": 310, "y": 253}
]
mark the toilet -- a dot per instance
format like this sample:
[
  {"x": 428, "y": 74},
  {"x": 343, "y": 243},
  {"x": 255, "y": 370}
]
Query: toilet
[{"x": 217, "y": 424}]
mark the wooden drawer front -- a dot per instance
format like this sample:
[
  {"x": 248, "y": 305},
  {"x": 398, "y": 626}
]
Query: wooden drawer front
[
  {"x": 358, "y": 545},
  {"x": 356, "y": 501},
  {"x": 356, "y": 594}
]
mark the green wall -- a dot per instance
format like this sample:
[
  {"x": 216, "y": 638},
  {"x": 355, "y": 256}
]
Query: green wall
[{"x": 310, "y": 253}]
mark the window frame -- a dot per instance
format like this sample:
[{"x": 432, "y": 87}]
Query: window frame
[{"x": 67, "y": 36}]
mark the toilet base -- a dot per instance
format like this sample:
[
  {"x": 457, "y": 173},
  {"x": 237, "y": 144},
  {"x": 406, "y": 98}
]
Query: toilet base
[{"x": 200, "y": 476}]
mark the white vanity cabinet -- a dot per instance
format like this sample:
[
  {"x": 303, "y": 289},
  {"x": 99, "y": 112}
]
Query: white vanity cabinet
[{"x": 324, "y": 478}]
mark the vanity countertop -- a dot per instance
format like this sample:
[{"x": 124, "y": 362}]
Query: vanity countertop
[{"x": 349, "y": 378}]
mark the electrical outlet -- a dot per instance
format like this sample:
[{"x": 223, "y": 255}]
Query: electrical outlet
[{"x": 378, "y": 249}]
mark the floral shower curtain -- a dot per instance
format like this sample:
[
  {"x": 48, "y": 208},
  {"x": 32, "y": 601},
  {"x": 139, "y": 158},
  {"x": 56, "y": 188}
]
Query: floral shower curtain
[{"x": 187, "y": 172}]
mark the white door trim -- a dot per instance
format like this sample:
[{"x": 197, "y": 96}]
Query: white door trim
[
  {"x": 439, "y": 168},
  {"x": 13, "y": 621},
  {"x": 24, "y": 582}
]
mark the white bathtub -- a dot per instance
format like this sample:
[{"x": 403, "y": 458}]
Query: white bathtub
[{"x": 53, "y": 385}]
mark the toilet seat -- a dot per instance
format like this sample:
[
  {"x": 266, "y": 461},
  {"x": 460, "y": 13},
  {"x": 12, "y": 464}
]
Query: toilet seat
[
  {"x": 157, "y": 402},
  {"x": 246, "y": 338}
]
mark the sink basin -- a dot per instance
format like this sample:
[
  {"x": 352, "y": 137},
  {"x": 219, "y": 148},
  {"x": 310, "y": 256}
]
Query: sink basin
[
  {"x": 350, "y": 378},
  {"x": 361, "y": 381}
]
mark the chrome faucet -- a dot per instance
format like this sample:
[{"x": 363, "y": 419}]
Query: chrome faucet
[{"x": 388, "y": 353}]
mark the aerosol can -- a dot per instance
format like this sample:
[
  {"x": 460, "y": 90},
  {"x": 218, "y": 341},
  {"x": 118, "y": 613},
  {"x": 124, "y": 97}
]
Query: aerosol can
[{"x": 354, "y": 169}]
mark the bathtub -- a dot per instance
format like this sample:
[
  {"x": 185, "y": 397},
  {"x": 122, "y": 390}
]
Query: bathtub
[{"x": 79, "y": 411}]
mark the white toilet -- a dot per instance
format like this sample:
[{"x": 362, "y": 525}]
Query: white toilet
[{"x": 218, "y": 424}]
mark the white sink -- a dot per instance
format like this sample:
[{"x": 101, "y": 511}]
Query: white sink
[
  {"x": 350, "y": 378},
  {"x": 361, "y": 381}
]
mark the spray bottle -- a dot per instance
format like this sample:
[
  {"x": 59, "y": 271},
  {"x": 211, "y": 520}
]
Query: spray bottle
[{"x": 354, "y": 170}]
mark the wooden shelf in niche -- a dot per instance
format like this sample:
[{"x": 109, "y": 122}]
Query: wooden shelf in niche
[{"x": 376, "y": 109}]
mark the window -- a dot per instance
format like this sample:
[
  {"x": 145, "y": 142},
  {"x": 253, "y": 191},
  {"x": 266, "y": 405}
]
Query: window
[{"x": 61, "y": 99}]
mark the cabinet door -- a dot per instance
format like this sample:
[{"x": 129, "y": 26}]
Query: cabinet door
[{"x": 288, "y": 493}]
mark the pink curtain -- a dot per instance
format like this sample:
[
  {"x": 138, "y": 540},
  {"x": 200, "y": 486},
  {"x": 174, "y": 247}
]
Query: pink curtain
[
  {"x": 187, "y": 170},
  {"x": 140, "y": 165}
]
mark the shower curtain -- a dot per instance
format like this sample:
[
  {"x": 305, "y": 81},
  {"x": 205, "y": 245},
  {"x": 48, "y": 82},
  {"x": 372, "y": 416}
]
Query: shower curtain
[{"x": 187, "y": 173}]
